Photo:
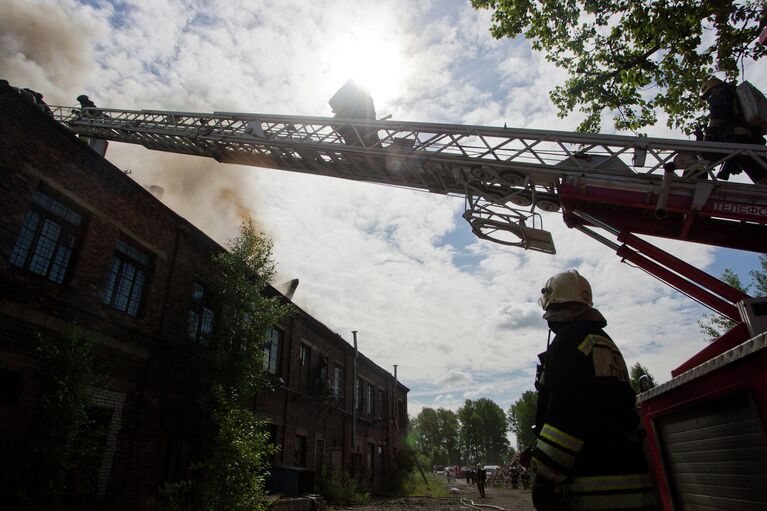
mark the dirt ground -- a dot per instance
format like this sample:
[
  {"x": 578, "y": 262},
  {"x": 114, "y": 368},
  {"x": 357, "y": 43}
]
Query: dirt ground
[{"x": 467, "y": 497}]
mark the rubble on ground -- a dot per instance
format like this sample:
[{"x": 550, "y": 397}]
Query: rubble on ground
[{"x": 504, "y": 476}]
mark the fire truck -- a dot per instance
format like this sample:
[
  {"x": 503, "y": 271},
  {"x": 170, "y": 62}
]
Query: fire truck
[{"x": 706, "y": 426}]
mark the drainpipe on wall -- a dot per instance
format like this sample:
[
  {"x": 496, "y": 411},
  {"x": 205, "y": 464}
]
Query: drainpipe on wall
[
  {"x": 394, "y": 400},
  {"x": 354, "y": 394}
]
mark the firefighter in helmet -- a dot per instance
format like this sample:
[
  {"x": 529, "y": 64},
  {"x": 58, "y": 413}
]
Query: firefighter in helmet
[
  {"x": 587, "y": 454},
  {"x": 726, "y": 123}
]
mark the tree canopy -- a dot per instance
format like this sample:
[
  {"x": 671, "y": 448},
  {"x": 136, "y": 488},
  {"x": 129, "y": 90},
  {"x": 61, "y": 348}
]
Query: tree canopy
[
  {"x": 634, "y": 58},
  {"x": 714, "y": 325},
  {"x": 231, "y": 467},
  {"x": 435, "y": 433},
  {"x": 522, "y": 418},
  {"x": 483, "y": 431},
  {"x": 637, "y": 371}
]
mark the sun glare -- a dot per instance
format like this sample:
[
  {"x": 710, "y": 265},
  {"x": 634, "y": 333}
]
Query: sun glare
[{"x": 369, "y": 58}]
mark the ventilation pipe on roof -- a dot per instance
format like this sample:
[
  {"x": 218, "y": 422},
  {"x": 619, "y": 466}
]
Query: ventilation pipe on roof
[{"x": 288, "y": 288}]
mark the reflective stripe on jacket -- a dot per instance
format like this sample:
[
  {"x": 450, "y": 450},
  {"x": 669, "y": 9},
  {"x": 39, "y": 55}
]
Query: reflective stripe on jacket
[{"x": 627, "y": 491}]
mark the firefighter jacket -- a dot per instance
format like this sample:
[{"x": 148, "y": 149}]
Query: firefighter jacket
[
  {"x": 726, "y": 120},
  {"x": 586, "y": 422}
]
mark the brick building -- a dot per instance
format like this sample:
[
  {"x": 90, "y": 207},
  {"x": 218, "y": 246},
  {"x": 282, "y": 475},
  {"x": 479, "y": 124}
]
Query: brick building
[{"x": 82, "y": 242}]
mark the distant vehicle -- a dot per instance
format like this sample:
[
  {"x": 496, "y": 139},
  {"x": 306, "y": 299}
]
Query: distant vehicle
[
  {"x": 490, "y": 469},
  {"x": 438, "y": 469}
]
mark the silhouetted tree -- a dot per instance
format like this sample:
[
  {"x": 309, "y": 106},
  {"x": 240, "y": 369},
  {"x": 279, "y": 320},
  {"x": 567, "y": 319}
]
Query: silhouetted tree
[
  {"x": 521, "y": 417},
  {"x": 633, "y": 58}
]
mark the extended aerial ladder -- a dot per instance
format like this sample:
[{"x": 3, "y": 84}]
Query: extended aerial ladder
[{"x": 620, "y": 184}]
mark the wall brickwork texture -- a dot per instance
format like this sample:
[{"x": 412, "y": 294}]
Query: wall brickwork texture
[{"x": 146, "y": 361}]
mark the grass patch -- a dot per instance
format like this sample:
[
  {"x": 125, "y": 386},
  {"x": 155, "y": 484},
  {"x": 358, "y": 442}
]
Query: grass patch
[{"x": 414, "y": 485}]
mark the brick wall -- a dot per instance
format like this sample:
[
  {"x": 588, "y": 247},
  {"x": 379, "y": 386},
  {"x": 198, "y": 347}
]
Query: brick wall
[{"x": 149, "y": 362}]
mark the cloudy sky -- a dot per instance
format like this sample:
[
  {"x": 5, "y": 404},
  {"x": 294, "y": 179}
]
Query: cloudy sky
[{"x": 458, "y": 315}]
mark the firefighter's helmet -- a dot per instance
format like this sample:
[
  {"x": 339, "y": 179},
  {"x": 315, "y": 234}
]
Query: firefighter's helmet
[
  {"x": 567, "y": 287},
  {"x": 709, "y": 84}
]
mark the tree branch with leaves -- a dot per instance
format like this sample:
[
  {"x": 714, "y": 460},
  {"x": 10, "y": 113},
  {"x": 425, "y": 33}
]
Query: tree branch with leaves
[
  {"x": 634, "y": 58},
  {"x": 714, "y": 325},
  {"x": 230, "y": 473}
]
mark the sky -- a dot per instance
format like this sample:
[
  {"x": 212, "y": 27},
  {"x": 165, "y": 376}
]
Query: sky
[{"x": 456, "y": 314}]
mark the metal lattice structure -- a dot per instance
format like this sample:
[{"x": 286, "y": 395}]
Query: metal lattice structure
[{"x": 507, "y": 175}]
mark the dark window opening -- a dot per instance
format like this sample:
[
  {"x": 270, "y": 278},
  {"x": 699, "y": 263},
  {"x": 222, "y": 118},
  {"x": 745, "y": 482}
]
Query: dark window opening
[
  {"x": 370, "y": 400},
  {"x": 128, "y": 277},
  {"x": 304, "y": 365},
  {"x": 382, "y": 460},
  {"x": 273, "y": 351},
  {"x": 358, "y": 398},
  {"x": 371, "y": 460},
  {"x": 381, "y": 403},
  {"x": 319, "y": 455},
  {"x": 338, "y": 382},
  {"x": 320, "y": 383},
  {"x": 46, "y": 242},
  {"x": 299, "y": 458},
  {"x": 199, "y": 325},
  {"x": 180, "y": 456},
  {"x": 10, "y": 386}
]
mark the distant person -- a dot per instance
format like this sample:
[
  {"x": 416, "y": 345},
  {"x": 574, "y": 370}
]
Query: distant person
[
  {"x": 85, "y": 101},
  {"x": 588, "y": 454},
  {"x": 41, "y": 104},
  {"x": 514, "y": 472},
  {"x": 6, "y": 87},
  {"x": 726, "y": 123},
  {"x": 352, "y": 101},
  {"x": 89, "y": 108},
  {"x": 524, "y": 476},
  {"x": 481, "y": 477},
  {"x": 36, "y": 99},
  {"x": 469, "y": 475}
]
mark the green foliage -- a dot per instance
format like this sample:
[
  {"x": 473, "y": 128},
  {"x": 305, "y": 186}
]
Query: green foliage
[
  {"x": 637, "y": 371},
  {"x": 483, "y": 432},
  {"x": 246, "y": 270},
  {"x": 435, "y": 486},
  {"x": 340, "y": 490},
  {"x": 63, "y": 453},
  {"x": 237, "y": 469},
  {"x": 230, "y": 472},
  {"x": 759, "y": 277},
  {"x": 436, "y": 434},
  {"x": 522, "y": 418},
  {"x": 714, "y": 325},
  {"x": 439, "y": 456},
  {"x": 405, "y": 462},
  {"x": 632, "y": 57}
]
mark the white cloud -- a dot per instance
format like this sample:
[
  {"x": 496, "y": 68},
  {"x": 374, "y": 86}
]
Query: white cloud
[{"x": 370, "y": 258}]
